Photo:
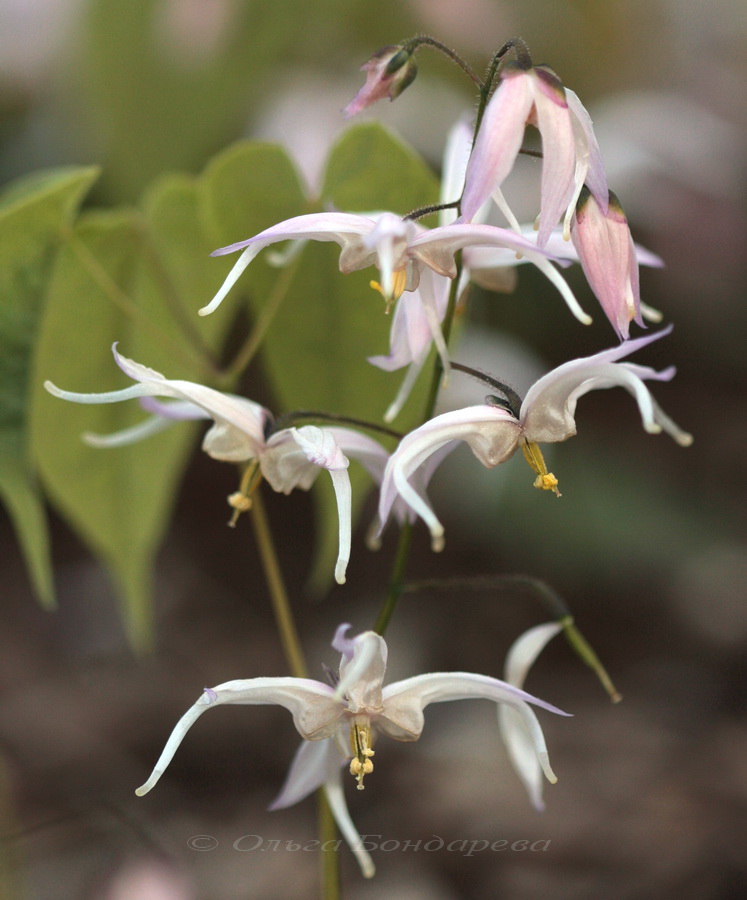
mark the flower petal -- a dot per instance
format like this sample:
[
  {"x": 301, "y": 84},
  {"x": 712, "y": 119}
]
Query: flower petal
[
  {"x": 491, "y": 432},
  {"x": 311, "y": 703},
  {"x": 405, "y": 701},
  {"x": 314, "y": 764},
  {"x": 547, "y": 413},
  {"x": 498, "y": 141},
  {"x": 518, "y": 740},
  {"x": 336, "y": 799}
]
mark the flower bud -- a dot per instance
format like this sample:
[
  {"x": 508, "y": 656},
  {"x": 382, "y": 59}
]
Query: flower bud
[
  {"x": 390, "y": 71},
  {"x": 608, "y": 258}
]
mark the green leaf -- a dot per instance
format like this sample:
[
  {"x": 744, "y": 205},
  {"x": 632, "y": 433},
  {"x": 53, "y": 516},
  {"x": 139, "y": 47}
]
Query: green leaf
[
  {"x": 106, "y": 288},
  {"x": 35, "y": 212},
  {"x": 371, "y": 169}
]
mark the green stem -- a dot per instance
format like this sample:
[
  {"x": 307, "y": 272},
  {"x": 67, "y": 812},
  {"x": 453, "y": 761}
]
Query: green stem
[
  {"x": 587, "y": 654},
  {"x": 399, "y": 569},
  {"x": 265, "y": 318},
  {"x": 330, "y": 858},
  {"x": 551, "y": 600},
  {"x": 396, "y": 580},
  {"x": 278, "y": 594},
  {"x": 330, "y": 862}
]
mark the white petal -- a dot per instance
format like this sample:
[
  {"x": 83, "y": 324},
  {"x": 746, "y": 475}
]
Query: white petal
[
  {"x": 315, "y": 712},
  {"x": 336, "y": 799},
  {"x": 525, "y": 650},
  {"x": 315, "y": 763},
  {"x": 362, "y": 676}
]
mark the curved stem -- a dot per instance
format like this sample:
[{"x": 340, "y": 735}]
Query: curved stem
[
  {"x": 548, "y": 596},
  {"x": 425, "y": 40},
  {"x": 496, "y": 64}
]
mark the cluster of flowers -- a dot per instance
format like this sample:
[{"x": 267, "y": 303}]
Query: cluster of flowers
[{"x": 579, "y": 220}]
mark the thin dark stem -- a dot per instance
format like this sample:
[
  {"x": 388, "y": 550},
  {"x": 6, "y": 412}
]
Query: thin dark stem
[
  {"x": 438, "y": 369},
  {"x": 395, "y": 582},
  {"x": 496, "y": 64},
  {"x": 424, "y": 40},
  {"x": 427, "y": 210},
  {"x": 550, "y": 599},
  {"x": 291, "y": 418},
  {"x": 514, "y": 400}
]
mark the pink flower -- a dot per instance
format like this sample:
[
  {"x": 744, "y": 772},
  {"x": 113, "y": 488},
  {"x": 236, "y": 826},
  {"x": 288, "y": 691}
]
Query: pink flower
[
  {"x": 390, "y": 71},
  {"x": 570, "y": 152},
  {"x": 608, "y": 257}
]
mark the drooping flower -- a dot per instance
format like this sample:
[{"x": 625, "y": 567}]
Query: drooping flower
[
  {"x": 389, "y": 72},
  {"x": 608, "y": 258},
  {"x": 339, "y": 722},
  {"x": 241, "y": 433},
  {"x": 398, "y": 247},
  {"x": 494, "y": 268},
  {"x": 496, "y": 429},
  {"x": 570, "y": 153}
]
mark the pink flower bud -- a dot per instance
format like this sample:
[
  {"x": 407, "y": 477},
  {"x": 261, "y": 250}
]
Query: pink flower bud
[{"x": 390, "y": 71}]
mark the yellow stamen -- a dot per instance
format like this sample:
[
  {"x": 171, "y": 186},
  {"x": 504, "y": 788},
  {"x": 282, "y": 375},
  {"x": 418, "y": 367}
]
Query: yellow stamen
[
  {"x": 360, "y": 744},
  {"x": 399, "y": 282},
  {"x": 241, "y": 501},
  {"x": 545, "y": 480}
]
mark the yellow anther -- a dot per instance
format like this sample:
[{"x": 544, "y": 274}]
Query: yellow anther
[
  {"x": 241, "y": 501},
  {"x": 360, "y": 744},
  {"x": 545, "y": 480},
  {"x": 399, "y": 282}
]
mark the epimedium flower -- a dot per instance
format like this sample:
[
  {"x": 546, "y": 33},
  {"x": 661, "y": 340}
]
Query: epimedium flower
[
  {"x": 602, "y": 244},
  {"x": 495, "y": 430},
  {"x": 242, "y": 433},
  {"x": 609, "y": 260},
  {"x": 389, "y": 72},
  {"x": 535, "y": 95},
  {"x": 339, "y": 722},
  {"x": 400, "y": 248}
]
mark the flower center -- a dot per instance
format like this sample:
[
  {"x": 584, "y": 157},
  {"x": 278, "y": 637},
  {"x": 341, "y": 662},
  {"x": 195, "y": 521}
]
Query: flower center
[
  {"x": 360, "y": 744},
  {"x": 399, "y": 282},
  {"x": 545, "y": 480}
]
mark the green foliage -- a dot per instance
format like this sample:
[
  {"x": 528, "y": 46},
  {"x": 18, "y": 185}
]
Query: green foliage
[
  {"x": 138, "y": 277},
  {"x": 35, "y": 213}
]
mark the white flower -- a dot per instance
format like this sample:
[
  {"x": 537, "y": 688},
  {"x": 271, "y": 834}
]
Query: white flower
[
  {"x": 288, "y": 458},
  {"x": 398, "y": 247},
  {"x": 495, "y": 430},
  {"x": 340, "y": 721}
]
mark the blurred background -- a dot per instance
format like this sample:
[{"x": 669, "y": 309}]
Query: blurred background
[{"x": 647, "y": 545}]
